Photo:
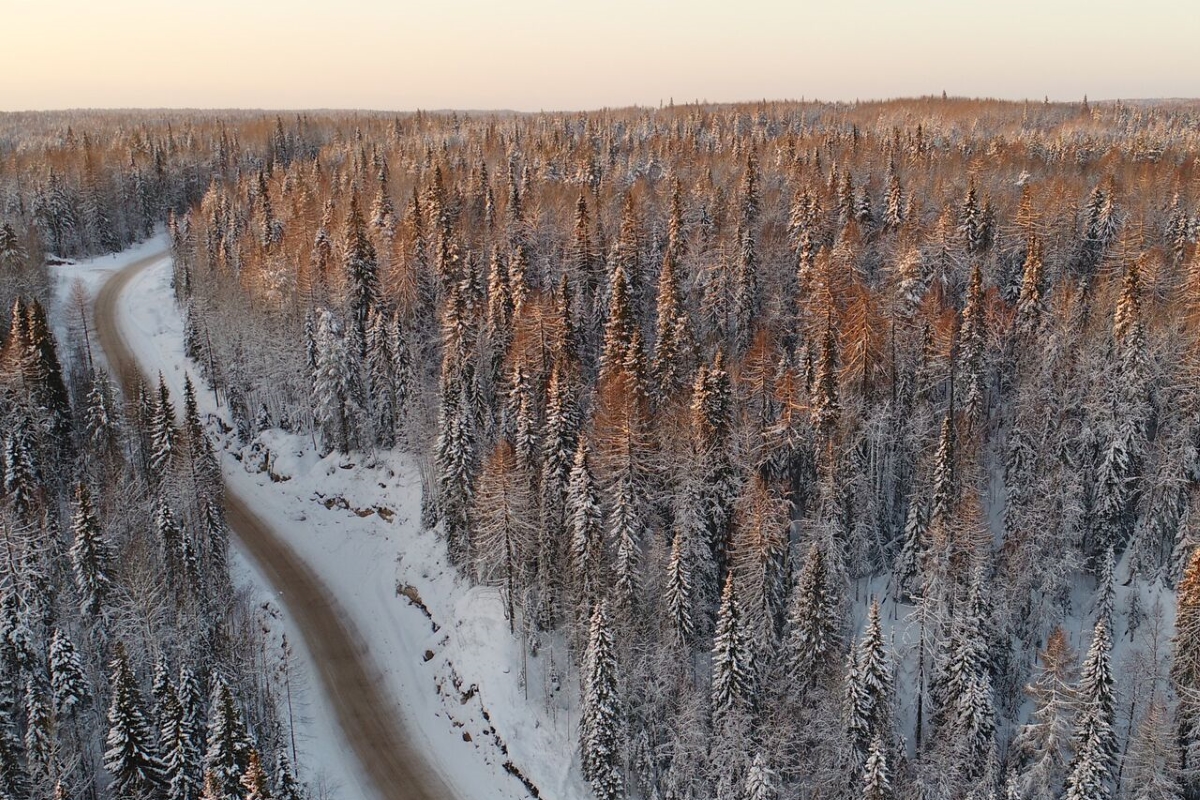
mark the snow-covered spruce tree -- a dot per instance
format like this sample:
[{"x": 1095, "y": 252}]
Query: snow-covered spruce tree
[
  {"x": 600, "y": 727},
  {"x": 132, "y": 755},
  {"x": 164, "y": 445},
  {"x": 877, "y": 780},
  {"x": 194, "y": 733},
  {"x": 559, "y": 442},
  {"x": 338, "y": 398},
  {"x": 732, "y": 661},
  {"x": 761, "y": 556},
  {"x": 40, "y": 745},
  {"x": 679, "y": 599},
  {"x": 585, "y": 519},
  {"x": 973, "y": 337},
  {"x": 1031, "y": 307},
  {"x": 966, "y": 717},
  {"x": 21, "y": 485},
  {"x": 746, "y": 300},
  {"x": 1093, "y": 770},
  {"x": 381, "y": 379},
  {"x": 673, "y": 345},
  {"x": 89, "y": 555},
  {"x": 180, "y": 767},
  {"x": 102, "y": 427},
  {"x": 14, "y": 777},
  {"x": 869, "y": 693},
  {"x": 624, "y": 535},
  {"x": 826, "y": 404},
  {"x": 455, "y": 456},
  {"x": 228, "y": 743},
  {"x": 254, "y": 779},
  {"x": 286, "y": 785},
  {"x": 761, "y": 781},
  {"x": 361, "y": 268},
  {"x": 618, "y": 328},
  {"x": 814, "y": 645},
  {"x": 67, "y": 679}
]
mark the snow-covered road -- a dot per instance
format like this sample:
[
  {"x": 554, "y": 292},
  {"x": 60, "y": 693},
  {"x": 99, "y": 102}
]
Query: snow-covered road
[
  {"x": 348, "y": 677},
  {"x": 487, "y": 721}
]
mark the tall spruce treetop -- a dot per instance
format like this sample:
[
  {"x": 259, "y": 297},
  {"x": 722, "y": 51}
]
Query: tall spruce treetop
[
  {"x": 1030, "y": 304},
  {"x": 814, "y": 646},
  {"x": 600, "y": 735},
  {"x": 826, "y": 405},
  {"x": 733, "y": 668},
  {"x": 131, "y": 756},
  {"x": 362, "y": 275},
  {"x": 89, "y": 555},
  {"x": 1093, "y": 771},
  {"x": 228, "y": 743},
  {"x": 67, "y": 679}
]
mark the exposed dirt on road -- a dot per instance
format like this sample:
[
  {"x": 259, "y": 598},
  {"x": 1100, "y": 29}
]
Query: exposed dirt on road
[{"x": 367, "y": 715}]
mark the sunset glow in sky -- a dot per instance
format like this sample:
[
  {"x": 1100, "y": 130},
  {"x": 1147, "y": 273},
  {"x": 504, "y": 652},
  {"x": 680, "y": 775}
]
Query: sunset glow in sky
[{"x": 556, "y": 54}]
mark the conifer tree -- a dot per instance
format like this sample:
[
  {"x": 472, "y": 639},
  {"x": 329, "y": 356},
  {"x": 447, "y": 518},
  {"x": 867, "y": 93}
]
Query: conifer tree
[
  {"x": 455, "y": 455},
  {"x": 733, "y": 669},
  {"x": 381, "y": 380},
  {"x": 746, "y": 299},
  {"x": 600, "y": 725},
  {"x": 1092, "y": 772},
  {"x": 672, "y": 341},
  {"x": 877, "y": 781},
  {"x": 39, "y": 730},
  {"x": 760, "y": 780},
  {"x": 945, "y": 481},
  {"x": 131, "y": 756},
  {"x": 67, "y": 681},
  {"x": 192, "y": 703},
  {"x": 228, "y": 743},
  {"x": 624, "y": 536},
  {"x": 14, "y": 779},
  {"x": 1030, "y": 305},
  {"x": 826, "y": 405},
  {"x": 286, "y": 785},
  {"x": 89, "y": 555},
  {"x": 163, "y": 436},
  {"x": 179, "y": 765},
  {"x": 1041, "y": 750},
  {"x": 584, "y": 525},
  {"x": 254, "y": 779},
  {"x": 101, "y": 422},
  {"x": 679, "y": 596},
  {"x": 869, "y": 692},
  {"x": 813, "y": 646},
  {"x": 362, "y": 277}
]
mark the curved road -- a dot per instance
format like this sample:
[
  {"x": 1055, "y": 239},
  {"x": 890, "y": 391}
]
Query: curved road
[{"x": 348, "y": 676}]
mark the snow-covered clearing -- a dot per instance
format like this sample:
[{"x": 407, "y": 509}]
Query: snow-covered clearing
[{"x": 472, "y": 704}]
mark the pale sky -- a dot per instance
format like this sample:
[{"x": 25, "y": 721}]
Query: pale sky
[{"x": 534, "y": 55}]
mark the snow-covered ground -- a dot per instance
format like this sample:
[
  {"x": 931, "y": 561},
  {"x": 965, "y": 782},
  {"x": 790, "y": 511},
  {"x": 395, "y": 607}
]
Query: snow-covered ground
[{"x": 472, "y": 704}]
